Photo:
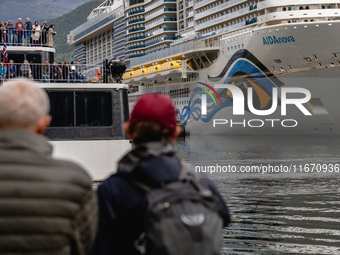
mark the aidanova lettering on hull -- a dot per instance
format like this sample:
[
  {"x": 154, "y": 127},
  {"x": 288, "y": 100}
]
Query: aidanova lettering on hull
[{"x": 273, "y": 40}]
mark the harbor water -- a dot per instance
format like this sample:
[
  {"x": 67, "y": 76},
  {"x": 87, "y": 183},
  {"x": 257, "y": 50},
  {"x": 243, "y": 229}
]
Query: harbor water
[{"x": 290, "y": 207}]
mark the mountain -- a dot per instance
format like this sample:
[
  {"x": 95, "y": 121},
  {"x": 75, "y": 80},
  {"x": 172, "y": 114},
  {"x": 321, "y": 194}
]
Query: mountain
[
  {"x": 36, "y": 9},
  {"x": 66, "y": 23}
]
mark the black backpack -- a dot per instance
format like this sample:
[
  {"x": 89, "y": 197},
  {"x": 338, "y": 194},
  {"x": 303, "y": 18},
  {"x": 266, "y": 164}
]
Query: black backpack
[{"x": 181, "y": 218}]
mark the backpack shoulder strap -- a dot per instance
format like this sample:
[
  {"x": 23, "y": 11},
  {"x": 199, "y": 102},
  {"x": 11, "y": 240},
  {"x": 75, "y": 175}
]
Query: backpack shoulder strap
[
  {"x": 187, "y": 175},
  {"x": 143, "y": 186}
]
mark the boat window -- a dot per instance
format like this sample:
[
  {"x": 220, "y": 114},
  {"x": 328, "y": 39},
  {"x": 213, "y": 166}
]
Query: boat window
[
  {"x": 308, "y": 59},
  {"x": 93, "y": 109},
  {"x": 34, "y": 58},
  {"x": 62, "y": 109},
  {"x": 17, "y": 58}
]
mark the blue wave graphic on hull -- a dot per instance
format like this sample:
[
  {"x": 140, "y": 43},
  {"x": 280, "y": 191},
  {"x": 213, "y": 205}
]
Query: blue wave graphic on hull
[{"x": 244, "y": 70}]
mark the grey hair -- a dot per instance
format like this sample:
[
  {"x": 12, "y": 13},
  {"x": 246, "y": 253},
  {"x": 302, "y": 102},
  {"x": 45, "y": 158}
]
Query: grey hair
[{"x": 22, "y": 104}]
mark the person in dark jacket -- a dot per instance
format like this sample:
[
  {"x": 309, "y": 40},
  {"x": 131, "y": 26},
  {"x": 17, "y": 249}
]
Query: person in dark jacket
[
  {"x": 153, "y": 161},
  {"x": 54, "y": 73},
  {"x": 28, "y": 31},
  {"x": 12, "y": 70},
  {"x": 47, "y": 206},
  {"x": 44, "y": 31},
  {"x": 66, "y": 72}
]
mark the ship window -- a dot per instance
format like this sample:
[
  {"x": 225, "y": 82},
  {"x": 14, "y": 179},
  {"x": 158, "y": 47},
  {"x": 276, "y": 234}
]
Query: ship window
[
  {"x": 308, "y": 59},
  {"x": 300, "y": 8},
  {"x": 93, "y": 109},
  {"x": 323, "y": 7},
  {"x": 284, "y": 9},
  {"x": 307, "y": 7}
]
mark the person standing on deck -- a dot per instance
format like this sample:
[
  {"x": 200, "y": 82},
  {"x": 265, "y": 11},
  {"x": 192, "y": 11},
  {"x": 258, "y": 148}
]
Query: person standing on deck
[
  {"x": 36, "y": 29},
  {"x": 98, "y": 74},
  {"x": 44, "y": 29},
  {"x": 28, "y": 31},
  {"x": 2, "y": 28},
  {"x": 66, "y": 72},
  {"x": 46, "y": 71},
  {"x": 20, "y": 27},
  {"x": 3, "y": 72},
  {"x": 79, "y": 76},
  {"x": 50, "y": 35},
  {"x": 47, "y": 205},
  {"x": 25, "y": 70},
  {"x": 152, "y": 128},
  {"x": 10, "y": 33},
  {"x": 54, "y": 73},
  {"x": 12, "y": 70}
]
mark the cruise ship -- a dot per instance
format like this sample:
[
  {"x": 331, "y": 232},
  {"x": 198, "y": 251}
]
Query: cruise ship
[{"x": 194, "y": 51}]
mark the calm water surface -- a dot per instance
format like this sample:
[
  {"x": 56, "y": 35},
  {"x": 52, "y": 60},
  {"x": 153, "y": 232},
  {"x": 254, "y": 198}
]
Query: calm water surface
[{"x": 274, "y": 213}]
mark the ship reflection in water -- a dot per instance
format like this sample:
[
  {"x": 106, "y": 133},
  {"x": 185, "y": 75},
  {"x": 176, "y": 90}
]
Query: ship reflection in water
[{"x": 274, "y": 213}]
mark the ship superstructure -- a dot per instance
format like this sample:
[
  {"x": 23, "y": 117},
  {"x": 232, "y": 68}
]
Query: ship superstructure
[{"x": 250, "y": 44}]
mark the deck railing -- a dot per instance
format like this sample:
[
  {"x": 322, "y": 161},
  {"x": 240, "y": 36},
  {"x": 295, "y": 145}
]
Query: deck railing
[
  {"x": 49, "y": 72},
  {"x": 27, "y": 38}
]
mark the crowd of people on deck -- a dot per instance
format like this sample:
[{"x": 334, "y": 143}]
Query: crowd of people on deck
[
  {"x": 26, "y": 34},
  {"x": 43, "y": 72}
]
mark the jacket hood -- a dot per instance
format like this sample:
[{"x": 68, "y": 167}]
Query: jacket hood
[{"x": 151, "y": 163}]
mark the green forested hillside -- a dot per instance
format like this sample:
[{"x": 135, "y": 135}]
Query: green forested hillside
[
  {"x": 67, "y": 22},
  {"x": 36, "y": 9}
]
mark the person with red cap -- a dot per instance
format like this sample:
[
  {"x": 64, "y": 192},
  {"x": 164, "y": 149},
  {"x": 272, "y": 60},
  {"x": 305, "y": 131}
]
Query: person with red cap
[{"x": 153, "y": 161}]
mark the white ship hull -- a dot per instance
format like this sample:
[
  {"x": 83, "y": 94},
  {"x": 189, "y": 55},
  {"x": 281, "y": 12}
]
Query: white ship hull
[{"x": 303, "y": 55}]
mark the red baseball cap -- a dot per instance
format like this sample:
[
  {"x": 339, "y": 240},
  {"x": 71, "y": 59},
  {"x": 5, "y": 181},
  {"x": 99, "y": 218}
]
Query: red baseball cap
[{"x": 156, "y": 108}]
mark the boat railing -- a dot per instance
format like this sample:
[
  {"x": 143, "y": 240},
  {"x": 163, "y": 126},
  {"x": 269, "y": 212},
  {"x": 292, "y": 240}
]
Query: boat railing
[
  {"x": 26, "y": 38},
  {"x": 175, "y": 50},
  {"x": 58, "y": 73}
]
